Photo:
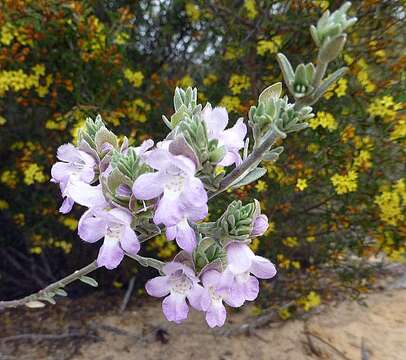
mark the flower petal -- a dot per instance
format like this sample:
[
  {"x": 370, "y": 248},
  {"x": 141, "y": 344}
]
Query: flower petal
[
  {"x": 175, "y": 307},
  {"x": 85, "y": 194},
  {"x": 68, "y": 153},
  {"x": 251, "y": 288},
  {"x": 233, "y": 138},
  {"x": 194, "y": 193},
  {"x": 66, "y": 206},
  {"x": 216, "y": 314},
  {"x": 61, "y": 170},
  {"x": 211, "y": 278},
  {"x": 194, "y": 296},
  {"x": 185, "y": 236},
  {"x": 158, "y": 286},
  {"x": 262, "y": 268},
  {"x": 239, "y": 257},
  {"x": 110, "y": 254},
  {"x": 129, "y": 241},
  {"x": 169, "y": 211},
  {"x": 148, "y": 186},
  {"x": 216, "y": 119},
  {"x": 171, "y": 232},
  {"x": 90, "y": 228}
]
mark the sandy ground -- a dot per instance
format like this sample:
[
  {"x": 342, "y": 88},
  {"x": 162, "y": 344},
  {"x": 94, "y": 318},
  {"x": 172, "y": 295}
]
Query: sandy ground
[
  {"x": 375, "y": 330},
  {"x": 91, "y": 328}
]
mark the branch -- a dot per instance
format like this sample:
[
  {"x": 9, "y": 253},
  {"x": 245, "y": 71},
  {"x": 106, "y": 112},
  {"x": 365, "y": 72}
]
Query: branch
[
  {"x": 44, "y": 293},
  {"x": 249, "y": 163}
]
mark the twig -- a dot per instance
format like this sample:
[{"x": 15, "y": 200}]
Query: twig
[
  {"x": 127, "y": 294},
  {"x": 327, "y": 343},
  {"x": 50, "y": 288},
  {"x": 313, "y": 348},
  {"x": 40, "y": 337}
]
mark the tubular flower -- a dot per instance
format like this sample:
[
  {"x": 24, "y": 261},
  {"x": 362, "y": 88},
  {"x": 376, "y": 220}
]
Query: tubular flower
[
  {"x": 181, "y": 195},
  {"x": 73, "y": 174},
  {"x": 233, "y": 139},
  {"x": 237, "y": 283},
  {"x": 114, "y": 226},
  {"x": 178, "y": 284}
]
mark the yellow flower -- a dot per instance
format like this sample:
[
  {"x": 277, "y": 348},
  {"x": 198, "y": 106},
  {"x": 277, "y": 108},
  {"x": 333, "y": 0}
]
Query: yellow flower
[
  {"x": 251, "y": 8},
  {"x": 291, "y": 241},
  {"x": 325, "y": 120},
  {"x": 269, "y": 46},
  {"x": 385, "y": 107},
  {"x": 392, "y": 203},
  {"x": 34, "y": 173},
  {"x": 4, "y": 204},
  {"x": 70, "y": 223},
  {"x": 185, "y": 82},
  {"x": 301, "y": 184},
  {"x": 231, "y": 103},
  {"x": 237, "y": 83},
  {"x": 363, "y": 160},
  {"x": 345, "y": 183},
  {"x": 313, "y": 148},
  {"x": 3, "y": 120},
  {"x": 210, "y": 79},
  {"x": 192, "y": 11},
  {"x": 310, "y": 301},
  {"x": 341, "y": 88},
  {"x": 399, "y": 131},
  {"x": 232, "y": 53},
  {"x": 261, "y": 186},
  {"x": 134, "y": 77},
  {"x": 9, "y": 178},
  {"x": 284, "y": 313}
]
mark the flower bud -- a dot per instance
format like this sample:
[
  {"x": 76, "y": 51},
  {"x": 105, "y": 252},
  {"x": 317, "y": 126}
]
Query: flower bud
[{"x": 260, "y": 225}]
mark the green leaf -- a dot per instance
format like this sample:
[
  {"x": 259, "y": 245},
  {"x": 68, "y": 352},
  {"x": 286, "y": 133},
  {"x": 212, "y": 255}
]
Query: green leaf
[
  {"x": 89, "y": 281},
  {"x": 35, "y": 304},
  {"x": 273, "y": 91},
  {"x": 61, "y": 292},
  {"x": 252, "y": 176}
]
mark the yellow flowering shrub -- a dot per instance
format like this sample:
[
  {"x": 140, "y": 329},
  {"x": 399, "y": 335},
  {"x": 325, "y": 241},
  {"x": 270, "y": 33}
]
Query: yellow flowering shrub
[{"x": 337, "y": 189}]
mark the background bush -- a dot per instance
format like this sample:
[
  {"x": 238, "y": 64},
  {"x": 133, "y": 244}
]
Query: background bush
[{"x": 335, "y": 198}]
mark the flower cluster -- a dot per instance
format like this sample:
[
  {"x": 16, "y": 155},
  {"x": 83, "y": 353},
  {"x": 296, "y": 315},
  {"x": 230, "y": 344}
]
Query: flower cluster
[{"x": 129, "y": 190}]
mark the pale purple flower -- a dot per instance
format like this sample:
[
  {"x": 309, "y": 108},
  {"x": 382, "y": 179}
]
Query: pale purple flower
[
  {"x": 115, "y": 226},
  {"x": 181, "y": 195},
  {"x": 184, "y": 235},
  {"x": 75, "y": 165},
  {"x": 260, "y": 225},
  {"x": 178, "y": 284},
  {"x": 232, "y": 139},
  {"x": 237, "y": 283},
  {"x": 211, "y": 299}
]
